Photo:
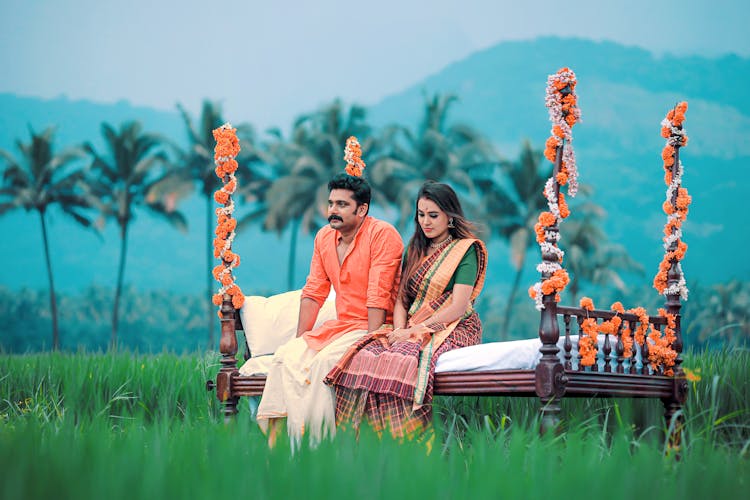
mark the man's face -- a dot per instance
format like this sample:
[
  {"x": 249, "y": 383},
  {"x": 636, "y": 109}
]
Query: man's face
[{"x": 343, "y": 213}]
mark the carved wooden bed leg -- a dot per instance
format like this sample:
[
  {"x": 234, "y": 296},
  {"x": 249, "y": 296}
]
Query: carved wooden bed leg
[
  {"x": 228, "y": 348},
  {"x": 550, "y": 374},
  {"x": 673, "y": 417}
]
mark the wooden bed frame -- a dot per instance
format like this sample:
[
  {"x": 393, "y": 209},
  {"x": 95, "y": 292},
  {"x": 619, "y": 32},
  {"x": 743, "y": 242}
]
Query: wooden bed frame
[{"x": 550, "y": 381}]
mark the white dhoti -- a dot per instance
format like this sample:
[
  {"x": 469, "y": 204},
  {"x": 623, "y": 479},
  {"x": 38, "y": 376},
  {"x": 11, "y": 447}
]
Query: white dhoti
[{"x": 294, "y": 388}]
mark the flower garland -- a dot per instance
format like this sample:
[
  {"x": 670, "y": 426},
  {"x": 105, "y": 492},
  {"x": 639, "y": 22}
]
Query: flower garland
[
  {"x": 225, "y": 152},
  {"x": 588, "y": 342},
  {"x": 562, "y": 101},
  {"x": 660, "y": 352},
  {"x": 640, "y": 331},
  {"x": 677, "y": 210},
  {"x": 353, "y": 156}
]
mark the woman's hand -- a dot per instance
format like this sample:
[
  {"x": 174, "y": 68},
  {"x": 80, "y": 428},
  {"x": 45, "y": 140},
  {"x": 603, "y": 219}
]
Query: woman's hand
[
  {"x": 399, "y": 335},
  {"x": 417, "y": 333}
]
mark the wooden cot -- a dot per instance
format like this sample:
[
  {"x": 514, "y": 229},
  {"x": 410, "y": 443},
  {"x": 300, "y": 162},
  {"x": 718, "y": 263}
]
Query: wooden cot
[{"x": 553, "y": 378}]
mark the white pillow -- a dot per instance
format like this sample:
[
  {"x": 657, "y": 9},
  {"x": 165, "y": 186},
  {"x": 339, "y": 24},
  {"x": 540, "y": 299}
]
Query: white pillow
[
  {"x": 270, "y": 322},
  {"x": 515, "y": 355}
]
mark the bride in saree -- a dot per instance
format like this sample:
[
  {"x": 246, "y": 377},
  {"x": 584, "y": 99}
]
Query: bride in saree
[{"x": 386, "y": 377}]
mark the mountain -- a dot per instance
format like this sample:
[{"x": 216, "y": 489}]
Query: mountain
[{"x": 624, "y": 93}]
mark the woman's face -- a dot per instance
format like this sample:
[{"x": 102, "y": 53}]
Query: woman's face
[{"x": 432, "y": 220}]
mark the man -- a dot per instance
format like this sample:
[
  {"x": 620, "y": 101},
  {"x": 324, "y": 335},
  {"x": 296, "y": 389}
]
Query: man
[{"x": 359, "y": 256}]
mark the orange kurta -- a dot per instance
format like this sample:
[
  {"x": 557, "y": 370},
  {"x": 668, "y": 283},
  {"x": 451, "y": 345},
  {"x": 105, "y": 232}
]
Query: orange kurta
[{"x": 366, "y": 278}]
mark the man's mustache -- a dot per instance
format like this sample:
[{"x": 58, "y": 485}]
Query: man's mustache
[{"x": 335, "y": 217}]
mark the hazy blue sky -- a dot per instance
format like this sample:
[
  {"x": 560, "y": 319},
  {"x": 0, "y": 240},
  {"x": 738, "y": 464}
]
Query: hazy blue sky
[{"x": 266, "y": 61}]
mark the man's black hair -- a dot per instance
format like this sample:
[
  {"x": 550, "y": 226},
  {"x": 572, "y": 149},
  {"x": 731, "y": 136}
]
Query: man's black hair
[{"x": 357, "y": 185}]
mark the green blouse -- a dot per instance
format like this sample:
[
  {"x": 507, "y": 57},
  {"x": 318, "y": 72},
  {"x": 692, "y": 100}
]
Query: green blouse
[{"x": 466, "y": 272}]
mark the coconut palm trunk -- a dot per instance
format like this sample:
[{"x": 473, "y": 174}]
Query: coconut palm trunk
[
  {"x": 120, "y": 278},
  {"x": 209, "y": 266},
  {"x": 511, "y": 299},
  {"x": 52, "y": 299},
  {"x": 292, "y": 254}
]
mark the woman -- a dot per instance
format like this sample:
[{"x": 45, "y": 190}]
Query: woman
[{"x": 387, "y": 376}]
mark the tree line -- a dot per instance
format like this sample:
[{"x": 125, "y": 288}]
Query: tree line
[{"x": 282, "y": 186}]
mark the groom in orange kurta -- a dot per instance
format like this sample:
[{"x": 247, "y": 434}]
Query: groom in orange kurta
[{"x": 359, "y": 256}]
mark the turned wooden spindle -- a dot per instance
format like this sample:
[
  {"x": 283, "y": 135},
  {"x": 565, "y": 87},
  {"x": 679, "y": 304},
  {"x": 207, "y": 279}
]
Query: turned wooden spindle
[
  {"x": 567, "y": 344},
  {"x": 550, "y": 380},
  {"x": 228, "y": 361},
  {"x": 644, "y": 355},
  {"x": 228, "y": 349},
  {"x": 634, "y": 350},
  {"x": 673, "y": 405},
  {"x": 674, "y": 275},
  {"x": 607, "y": 349},
  {"x": 579, "y": 322},
  {"x": 620, "y": 351}
]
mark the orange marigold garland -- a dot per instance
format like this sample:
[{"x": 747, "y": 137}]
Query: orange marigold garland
[
  {"x": 588, "y": 342},
  {"x": 676, "y": 203},
  {"x": 225, "y": 152},
  {"x": 660, "y": 352},
  {"x": 640, "y": 331},
  {"x": 353, "y": 156},
  {"x": 562, "y": 102}
]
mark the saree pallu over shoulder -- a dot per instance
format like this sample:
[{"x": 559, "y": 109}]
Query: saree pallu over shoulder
[{"x": 433, "y": 276}]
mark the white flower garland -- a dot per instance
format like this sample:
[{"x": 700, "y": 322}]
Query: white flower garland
[
  {"x": 675, "y": 205},
  {"x": 565, "y": 78}
]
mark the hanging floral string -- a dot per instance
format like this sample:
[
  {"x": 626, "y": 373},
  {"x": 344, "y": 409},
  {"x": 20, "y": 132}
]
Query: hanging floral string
[
  {"x": 660, "y": 352},
  {"x": 676, "y": 203},
  {"x": 562, "y": 101},
  {"x": 639, "y": 337},
  {"x": 353, "y": 157},
  {"x": 661, "y": 355},
  {"x": 225, "y": 152},
  {"x": 588, "y": 342}
]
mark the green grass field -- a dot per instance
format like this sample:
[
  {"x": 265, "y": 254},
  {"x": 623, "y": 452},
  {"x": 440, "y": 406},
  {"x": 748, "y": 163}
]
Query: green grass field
[{"x": 135, "y": 426}]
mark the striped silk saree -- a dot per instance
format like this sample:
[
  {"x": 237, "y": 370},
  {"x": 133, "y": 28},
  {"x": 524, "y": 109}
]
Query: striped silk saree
[{"x": 390, "y": 385}]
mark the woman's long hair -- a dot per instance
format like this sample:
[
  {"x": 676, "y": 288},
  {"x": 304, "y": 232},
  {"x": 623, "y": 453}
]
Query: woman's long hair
[{"x": 446, "y": 199}]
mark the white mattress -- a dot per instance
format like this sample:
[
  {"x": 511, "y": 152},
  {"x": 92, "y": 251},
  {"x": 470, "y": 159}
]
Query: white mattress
[{"x": 511, "y": 355}]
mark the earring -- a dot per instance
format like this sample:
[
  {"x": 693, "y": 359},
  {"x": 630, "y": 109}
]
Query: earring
[{"x": 450, "y": 223}]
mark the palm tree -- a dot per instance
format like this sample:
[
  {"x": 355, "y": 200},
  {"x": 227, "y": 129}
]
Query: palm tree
[
  {"x": 724, "y": 314},
  {"x": 406, "y": 158},
  {"x": 510, "y": 206},
  {"x": 130, "y": 175},
  {"x": 37, "y": 180},
  {"x": 196, "y": 165},
  {"x": 589, "y": 256},
  {"x": 304, "y": 164}
]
